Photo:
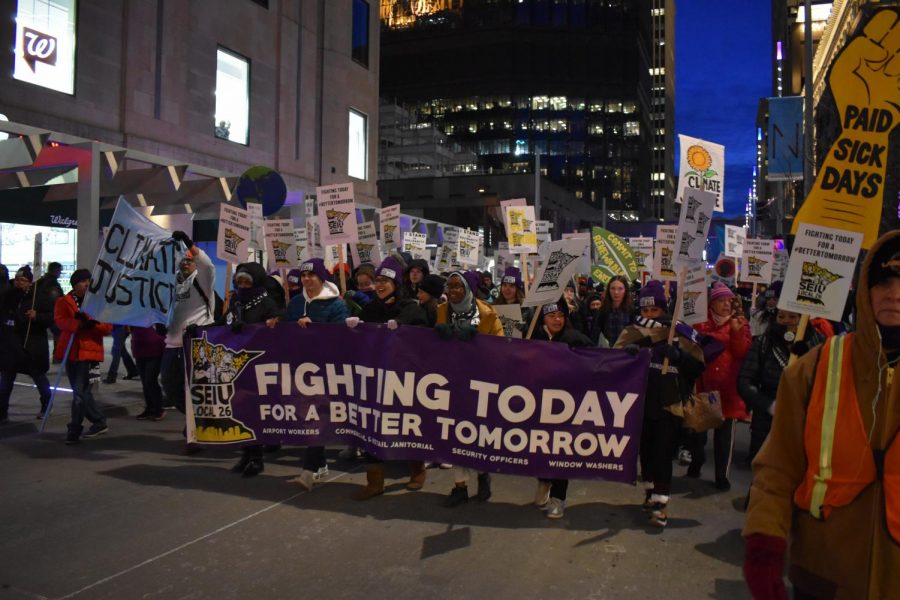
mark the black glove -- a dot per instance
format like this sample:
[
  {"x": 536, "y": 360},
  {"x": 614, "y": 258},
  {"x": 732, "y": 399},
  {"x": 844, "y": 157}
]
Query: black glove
[
  {"x": 81, "y": 316},
  {"x": 799, "y": 348},
  {"x": 444, "y": 331},
  {"x": 191, "y": 330},
  {"x": 466, "y": 333},
  {"x": 160, "y": 329},
  {"x": 180, "y": 236},
  {"x": 672, "y": 353},
  {"x": 632, "y": 349},
  {"x": 88, "y": 324},
  {"x": 237, "y": 326}
]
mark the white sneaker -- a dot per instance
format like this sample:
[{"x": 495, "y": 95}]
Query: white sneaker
[
  {"x": 684, "y": 457},
  {"x": 322, "y": 473},
  {"x": 306, "y": 479},
  {"x": 542, "y": 495},
  {"x": 556, "y": 508}
]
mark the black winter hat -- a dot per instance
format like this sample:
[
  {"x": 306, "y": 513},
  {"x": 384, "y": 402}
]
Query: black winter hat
[
  {"x": 78, "y": 276},
  {"x": 418, "y": 263},
  {"x": 886, "y": 263},
  {"x": 433, "y": 285},
  {"x": 255, "y": 270}
]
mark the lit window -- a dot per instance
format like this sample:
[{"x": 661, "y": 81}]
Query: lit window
[
  {"x": 360, "y": 40},
  {"x": 45, "y": 44},
  {"x": 558, "y": 102},
  {"x": 632, "y": 128},
  {"x": 540, "y": 102},
  {"x": 613, "y": 106},
  {"x": 232, "y": 120},
  {"x": 357, "y": 147}
]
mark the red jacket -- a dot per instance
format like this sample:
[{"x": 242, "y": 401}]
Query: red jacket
[
  {"x": 88, "y": 344},
  {"x": 722, "y": 373}
]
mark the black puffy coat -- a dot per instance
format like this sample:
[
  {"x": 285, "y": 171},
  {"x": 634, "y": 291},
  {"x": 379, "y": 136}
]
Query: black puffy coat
[
  {"x": 256, "y": 310},
  {"x": 402, "y": 310},
  {"x": 569, "y": 336},
  {"x": 15, "y": 354}
]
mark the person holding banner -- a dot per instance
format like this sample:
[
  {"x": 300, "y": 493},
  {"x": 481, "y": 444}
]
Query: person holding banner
[
  {"x": 292, "y": 281},
  {"x": 555, "y": 327},
  {"x": 726, "y": 324},
  {"x": 416, "y": 270},
  {"x": 26, "y": 311},
  {"x": 828, "y": 476},
  {"x": 463, "y": 316},
  {"x": 616, "y": 310},
  {"x": 431, "y": 290},
  {"x": 82, "y": 358},
  {"x": 319, "y": 302},
  {"x": 392, "y": 308}
]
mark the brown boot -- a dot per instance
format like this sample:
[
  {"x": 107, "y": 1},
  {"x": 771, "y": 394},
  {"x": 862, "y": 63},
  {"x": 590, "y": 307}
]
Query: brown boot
[
  {"x": 416, "y": 475},
  {"x": 374, "y": 482}
]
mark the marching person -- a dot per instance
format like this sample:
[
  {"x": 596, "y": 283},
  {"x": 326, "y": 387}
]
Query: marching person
[
  {"x": 765, "y": 310},
  {"x": 726, "y": 324},
  {"x": 512, "y": 291},
  {"x": 292, "y": 281},
  {"x": 118, "y": 353},
  {"x": 616, "y": 309},
  {"x": 431, "y": 290},
  {"x": 26, "y": 311},
  {"x": 463, "y": 316},
  {"x": 320, "y": 302},
  {"x": 555, "y": 327},
  {"x": 828, "y": 475},
  {"x": 250, "y": 303},
  {"x": 665, "y": 392},
  {"x": 84, "y": 358},
  {"x": 148, "y": 346},
  {"x": 391, "y": 308},
  {"x": 416, "y": 271}
]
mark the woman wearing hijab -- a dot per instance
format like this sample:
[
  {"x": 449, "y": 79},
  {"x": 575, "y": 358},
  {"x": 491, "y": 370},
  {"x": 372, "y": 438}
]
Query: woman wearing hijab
[{"x": 463, "y": 316}]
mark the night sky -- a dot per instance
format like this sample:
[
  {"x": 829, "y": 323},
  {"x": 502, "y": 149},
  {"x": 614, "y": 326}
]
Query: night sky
[{"x": 722, "y": 69}]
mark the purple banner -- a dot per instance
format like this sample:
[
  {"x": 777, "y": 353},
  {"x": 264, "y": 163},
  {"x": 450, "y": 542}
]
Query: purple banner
[{"x": 493, "y": 404}]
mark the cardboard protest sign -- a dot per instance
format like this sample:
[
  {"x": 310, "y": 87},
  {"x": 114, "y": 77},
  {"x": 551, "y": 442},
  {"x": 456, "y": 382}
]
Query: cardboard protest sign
[
  {"x": 280, "y": 243},
  {"x": 469, "y": 244},
  {"x": 664, "y": 255},
  {"x": 702, "y": 161},
  {"x": 522, "y": 230},
  {"x": 850, "y": 187},
  {"x": 133, "y": 282},
  {"x": 734, "y": 240},
  {"x": 504, "y": 205},
  {"x": 583, "y": 264},
  {"x": 510, "y": 316},
  {"x": 779, "y": 269},
  {"x": 693, "y": 227},
  {"x": 301, "y": 245},
  {"x": 556, "y": 271},
  {"x": 366, "y": 250},
  {"x": 613, "y": 257},
  {"x": 757, "y": 261},
  {"x": 820, "y": 271},
  {"x": 337, "y": 214},
  {"x": 332, "y": 256},
  {"x": 257, "y": 226},
  {"x": 543, "y": 231},
  {"x": 389, "y": 219},
  {"x": 414, "y": 243},
  {"x": 694, "y": 302},
  {"x": 233, "y": 242},
  {"x": 447, "y": 255},
  {"x": 642, "y": 251}
]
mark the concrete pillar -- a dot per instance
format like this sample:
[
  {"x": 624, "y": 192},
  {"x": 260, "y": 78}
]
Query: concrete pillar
[{"x": 89, "y": 209}]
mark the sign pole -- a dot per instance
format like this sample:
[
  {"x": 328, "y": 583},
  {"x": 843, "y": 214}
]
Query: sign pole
[
  {"x": 343, "y": 275},
  {"x": 682, "y": 275},
  {"x": 801, "y": 333},
  {"x": 228, "y": 268}
]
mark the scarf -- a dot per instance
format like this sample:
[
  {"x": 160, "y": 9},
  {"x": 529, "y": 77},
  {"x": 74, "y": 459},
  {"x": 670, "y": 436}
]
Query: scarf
[
  {"x": 250, "y": 297},
  {"x": 719, "y": 321}
]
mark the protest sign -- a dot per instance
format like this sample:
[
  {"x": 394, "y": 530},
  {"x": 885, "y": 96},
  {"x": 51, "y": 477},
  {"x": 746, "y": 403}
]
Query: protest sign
[
  {"x": 469, "y": 244},
  {"x": 542, "y": 229},
  {"x": 694, "y": 303},
  {"x": 642, "y": 251},
  {"x": 233, "y": 242},
  {"x": 366, "y": 250},
  {"x": 613, "y": 257},
  {"x": 510, "y": 316},
  {"x": 389, "y": 218},
  {"x": 664, "y": 255},
  {"x": 522, "y": 230},
  {"x": 734, "y": 241},
  {"x": 504, "y": 205},
  {"x": 820, "y": 271},
  {"x": 757, "y": 261},
  {"x": 301, "y": 245},
  {"x": 133, "y": 282},
  {"x": 702, "y": 161},
  {"x": 851, "y": 185},
  {"x": 779, "y": 269},
  {"x": 447, "y": 255},
  {"x": 337, "y": 214},
  {"x": 333, "y": 255},
  {"x": 257, "y": 227},
  {"x": 693, "y": 227},
  {"x": 471, "y": 404},
  {"x": 280, "y": 243},
  {"x": 414, "y": 243},
  {"x": 556, "y": 271}
]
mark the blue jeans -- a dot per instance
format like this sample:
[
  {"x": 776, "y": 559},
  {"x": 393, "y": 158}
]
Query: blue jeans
[
  {"x": 8, "y": 378},
  {"x": 83, "y": 403},
  {"x": 120, "y": 333}
]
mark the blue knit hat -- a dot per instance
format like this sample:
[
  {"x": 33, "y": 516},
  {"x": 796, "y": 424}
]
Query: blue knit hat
[{"x": 316, "y": 266}]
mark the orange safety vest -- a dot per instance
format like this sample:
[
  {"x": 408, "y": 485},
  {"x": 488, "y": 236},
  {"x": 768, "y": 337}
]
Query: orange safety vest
[{"x": 833, "y": 422}]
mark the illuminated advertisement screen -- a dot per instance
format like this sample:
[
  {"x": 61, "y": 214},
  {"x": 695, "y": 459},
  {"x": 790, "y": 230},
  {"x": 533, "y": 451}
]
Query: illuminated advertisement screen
[{"x": 45, "y": 44}]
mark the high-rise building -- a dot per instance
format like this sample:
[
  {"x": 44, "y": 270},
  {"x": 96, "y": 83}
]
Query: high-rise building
[{"x": 563, "y": 84}]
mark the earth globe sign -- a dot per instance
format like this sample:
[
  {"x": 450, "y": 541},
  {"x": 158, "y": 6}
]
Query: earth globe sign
[{"x": 262, "y": 185}]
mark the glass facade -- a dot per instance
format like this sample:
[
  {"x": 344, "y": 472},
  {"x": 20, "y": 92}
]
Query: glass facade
[{"x": 360, "y": 37}]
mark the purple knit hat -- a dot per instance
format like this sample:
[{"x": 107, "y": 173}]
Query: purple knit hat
[
  {"x": 316, "y": 266},
  {"x": 293, "y": 276},
  {"x": 512, "y": 275},
  {"x": 391, "y": 268},
  {"x": 720, "y": 290},
  {"x": 473, "y": 278},
  {"x": 653, "y": 294}
]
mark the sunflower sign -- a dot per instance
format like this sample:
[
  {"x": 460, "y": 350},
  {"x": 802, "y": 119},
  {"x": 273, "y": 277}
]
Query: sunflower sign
[
  {"x": 702, "y": 161},
  {"x": 614, "y": 257}
]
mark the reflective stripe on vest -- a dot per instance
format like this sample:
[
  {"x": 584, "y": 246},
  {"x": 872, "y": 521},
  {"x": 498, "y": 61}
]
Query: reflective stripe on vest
[{"x": 829, "y": 419}]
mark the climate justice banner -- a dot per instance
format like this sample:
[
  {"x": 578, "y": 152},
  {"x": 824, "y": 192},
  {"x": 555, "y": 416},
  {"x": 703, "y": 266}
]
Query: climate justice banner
[{"x": 407, "y": 394}]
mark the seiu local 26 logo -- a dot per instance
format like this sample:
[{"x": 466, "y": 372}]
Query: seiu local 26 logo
[{"x": 38, "y": 47}]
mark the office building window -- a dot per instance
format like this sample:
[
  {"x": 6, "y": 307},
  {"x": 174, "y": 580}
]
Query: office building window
[
  {"x": 45, "y": 44},
  {"x": 360, "y": 50},
  {"x": 357, "y": 146},
  {"x": 232, "y": 121}
]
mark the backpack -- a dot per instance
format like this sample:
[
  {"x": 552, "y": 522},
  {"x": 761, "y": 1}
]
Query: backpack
[{"x": 218, "y": 303}]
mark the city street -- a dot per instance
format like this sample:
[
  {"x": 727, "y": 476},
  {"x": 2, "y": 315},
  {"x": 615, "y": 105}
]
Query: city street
[{"x": 128, "y": 515}]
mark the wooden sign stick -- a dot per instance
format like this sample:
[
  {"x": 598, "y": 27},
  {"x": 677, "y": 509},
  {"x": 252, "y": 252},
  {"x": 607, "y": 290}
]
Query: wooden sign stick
[
  {"x": 682, "y": 275},
  {"x": 341, "y": 268},
  {"x": 801, "y": 333},
  {"x": 227, "y": 301}
]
